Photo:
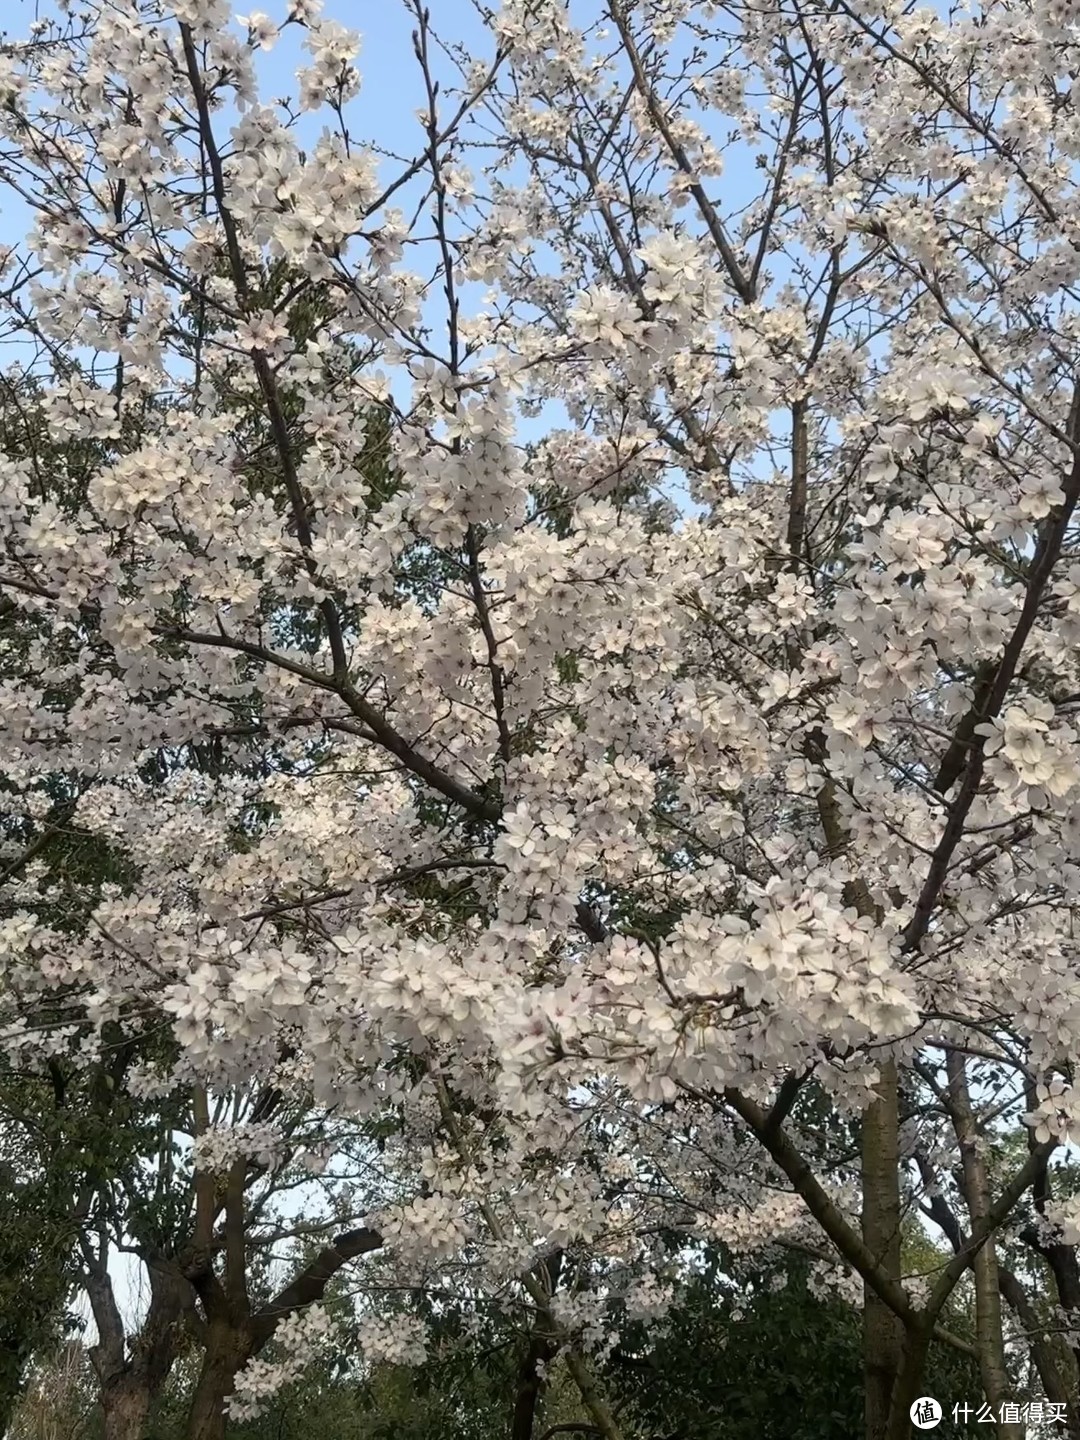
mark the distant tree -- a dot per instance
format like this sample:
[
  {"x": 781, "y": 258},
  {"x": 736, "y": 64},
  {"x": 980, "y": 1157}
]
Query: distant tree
[{"x": 59, "y": 1401}]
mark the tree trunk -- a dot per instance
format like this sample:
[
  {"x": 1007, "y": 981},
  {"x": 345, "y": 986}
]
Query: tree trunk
[
  {"x": 231, "y": 1334},
  {"x": 988, "y": 1327},
  {"x": 539, "y": 1351},
  {"x": 883, "y": 1338},
  {"x": 602, "y": 1416},
  {"x": 1046, "y": 1362},
  {"x": 991, "y": 1340},
  {"x": 125, "y": 1406},
  {"x": 227, "y": 1351},
  {"x": 529, "y": 1388},
  {"x": 913, "y": 1349},
  {"x": 883, "y": 1332}
]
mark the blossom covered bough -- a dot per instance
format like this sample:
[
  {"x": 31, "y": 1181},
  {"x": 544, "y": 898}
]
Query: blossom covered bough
[{"x": 683, "y": 723}]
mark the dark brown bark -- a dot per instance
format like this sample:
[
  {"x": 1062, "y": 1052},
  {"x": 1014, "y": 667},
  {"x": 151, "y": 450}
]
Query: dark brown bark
[
  {"x": 539, "y": 1351},
  {"x": 131, "y": 1373},
  {"x": 889, "y": 1347},
  {"x": 129, "y": 1385},
  {"x": 228, "y": 1348},
  {"x": 125, "y": 1406},
  {"x": 912, "y": 1352},
  {"x": 993, "y": 1370},
  {"x": 883, "y": 1333},
  {"x": 1046, "y": 1361},
  {"x": 234, "y": 1334},
  {"x": 310, "y": 1285}
]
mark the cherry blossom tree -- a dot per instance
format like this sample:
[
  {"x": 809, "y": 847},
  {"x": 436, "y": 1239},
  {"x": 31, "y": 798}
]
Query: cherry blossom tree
[{"x": 681, "y": 806}]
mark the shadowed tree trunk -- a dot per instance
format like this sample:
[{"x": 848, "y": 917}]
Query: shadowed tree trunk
[
  {"x": 131, "y": 1373},
  {"x": 234, "y": 1333},
  {"x": 125, "y": 1406},
  {"x": 883, "y": 1334},
  {"x": 228, "y": 1348},
  {"x": 988, "y": 1327},
  {"x": 539, "y": 1351}
]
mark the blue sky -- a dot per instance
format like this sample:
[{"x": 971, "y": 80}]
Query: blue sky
[
  {"x": 391, "y": 93},
  {"x": 383, "y": 115},
  {"x": 385, "y": 111}
]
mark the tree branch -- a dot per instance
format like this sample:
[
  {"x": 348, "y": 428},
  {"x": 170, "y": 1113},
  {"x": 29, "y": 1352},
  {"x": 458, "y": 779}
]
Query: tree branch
[{"x": 310, "y": 1285}]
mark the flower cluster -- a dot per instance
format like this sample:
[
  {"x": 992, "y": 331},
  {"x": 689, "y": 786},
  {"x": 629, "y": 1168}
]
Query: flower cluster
[
  {"x": 546, "y": 724},
  {"x": 299, "y": 1338},
  {"x": 393, "y": 1339}
]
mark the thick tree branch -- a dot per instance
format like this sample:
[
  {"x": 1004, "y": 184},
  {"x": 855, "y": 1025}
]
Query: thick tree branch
[
  {"x": 309, "y": 1286},
  {"x": 846, "y": 1239}
]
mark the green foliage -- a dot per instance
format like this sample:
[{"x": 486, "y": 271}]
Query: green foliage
[
  {"x": 761, "y": 1360},
  {"x": 465, "y": 1396},
  {"x": 773, "y": 1363},
  {"x": 35, "y": 1265}
]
